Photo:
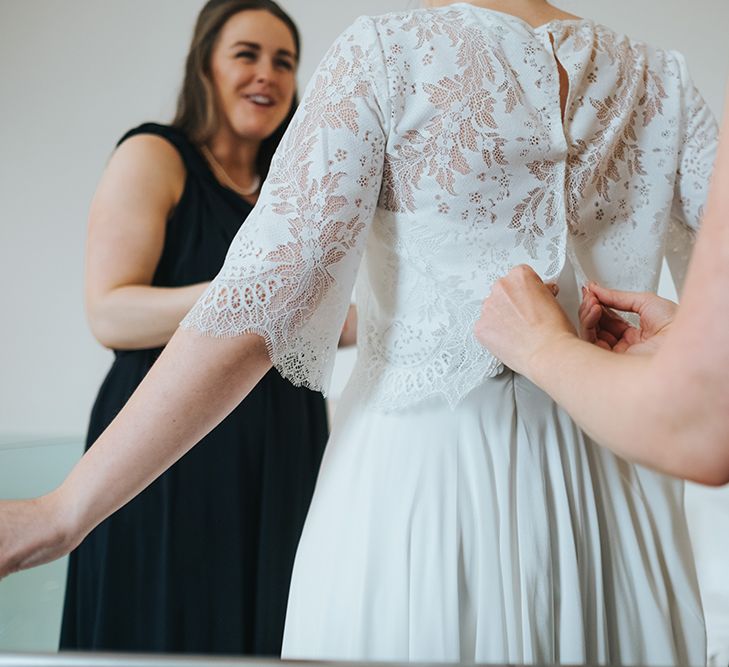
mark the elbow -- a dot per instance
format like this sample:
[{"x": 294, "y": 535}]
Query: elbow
[
  {"x": 103, "y": 332},
  {"x": 104, "y": 327},
  {"x": 718, "y": 481},
  {"x": 702, "y": 453},
  {"x": 122, "y": 328},
  {"x": 710, "y": 478},
  {"x": 714, "y": 472},
  {"x": 691, "y": 421},
  {"x": 706, "y": 435}
]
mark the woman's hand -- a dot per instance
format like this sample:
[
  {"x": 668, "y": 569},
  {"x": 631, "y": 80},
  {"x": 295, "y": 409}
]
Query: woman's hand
[
  {"x": 34, "y": 532},
  {"x": 599, "y": 324},
  {"x": 520, "y": 317}
]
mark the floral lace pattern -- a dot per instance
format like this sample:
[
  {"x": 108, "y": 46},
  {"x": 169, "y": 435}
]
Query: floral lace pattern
[{"x": 433, "y": 144}]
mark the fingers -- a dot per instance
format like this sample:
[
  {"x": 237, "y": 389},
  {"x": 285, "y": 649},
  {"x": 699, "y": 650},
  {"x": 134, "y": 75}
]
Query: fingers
[
  {"x": 630, "y": 302},
  {"x": 523, "y": 277},
  {"x": 589, "y": 322},
  {"x": 613, "y": 323},
  {"x": 589, "y": 314},
  {"x": 588, "y": 301},
  {"x": 622, "y": 347},
  {"x": 598, "y": 324},
  {"x": 606, "y": 337},
  {"x": 523, "y": 272}
]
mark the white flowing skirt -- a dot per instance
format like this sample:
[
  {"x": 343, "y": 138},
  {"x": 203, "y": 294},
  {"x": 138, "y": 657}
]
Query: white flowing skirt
[{"x": 496, "y": 532}]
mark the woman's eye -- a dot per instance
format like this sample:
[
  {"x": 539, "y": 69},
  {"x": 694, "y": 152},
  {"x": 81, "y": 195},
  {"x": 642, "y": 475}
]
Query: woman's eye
[
  {"x": 285, "y": 64},
  {"x": 248, "y": 55}
]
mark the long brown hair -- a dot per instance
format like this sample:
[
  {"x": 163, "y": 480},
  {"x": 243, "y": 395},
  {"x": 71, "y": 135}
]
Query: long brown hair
[{"x": 197, "y": 115}]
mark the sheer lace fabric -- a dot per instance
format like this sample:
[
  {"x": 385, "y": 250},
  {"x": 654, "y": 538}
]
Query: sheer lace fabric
[{"x": 432, "y": 144}]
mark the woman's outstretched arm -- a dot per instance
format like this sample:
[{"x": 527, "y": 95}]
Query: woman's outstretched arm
[
  {"x": 195, "y": 383},
  {"x": 287, "y": 279},
  {"x": 669, "y": 408}
]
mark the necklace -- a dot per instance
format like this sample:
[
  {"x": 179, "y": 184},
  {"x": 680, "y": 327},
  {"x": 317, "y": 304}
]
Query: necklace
[{"x": 247, "y": 192}]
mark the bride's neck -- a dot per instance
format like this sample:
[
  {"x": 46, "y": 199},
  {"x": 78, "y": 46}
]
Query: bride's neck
[
  {"x": 532, "y": 11},
  {"x": 493, "y": 4}
]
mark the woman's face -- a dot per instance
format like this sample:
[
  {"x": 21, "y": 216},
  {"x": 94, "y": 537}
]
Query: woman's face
[{"x": 253, "y": 68}]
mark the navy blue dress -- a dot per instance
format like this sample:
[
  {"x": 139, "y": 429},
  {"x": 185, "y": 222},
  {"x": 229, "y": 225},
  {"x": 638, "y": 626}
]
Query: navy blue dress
[{"x": 201, "y": 560}]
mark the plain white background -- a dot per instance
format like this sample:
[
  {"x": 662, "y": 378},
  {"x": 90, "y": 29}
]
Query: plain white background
[{"x": 76, "y": 74}]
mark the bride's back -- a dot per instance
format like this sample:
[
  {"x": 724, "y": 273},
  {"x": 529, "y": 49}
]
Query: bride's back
[{"x": 483, "y": 172}]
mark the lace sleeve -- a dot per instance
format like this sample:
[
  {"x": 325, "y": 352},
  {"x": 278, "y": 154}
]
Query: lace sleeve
[
  {"x": 289, "y": 273},
  {"x": 699, "y": 142}
]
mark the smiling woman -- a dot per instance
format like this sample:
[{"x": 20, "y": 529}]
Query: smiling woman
[
  {"x": 221, "y": 74},
  {"x": 253, "y": 105},
  {"x": 180, "y": 569}
]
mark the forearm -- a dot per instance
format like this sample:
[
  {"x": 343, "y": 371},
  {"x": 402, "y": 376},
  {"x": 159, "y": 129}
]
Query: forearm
[
  {"x": 634, "y": 405},
  {"x": 594, "y": 385},
  {"x": 693, "y": 362},
  {"x": 138, "y": 317},
  {"x": 195, "y": 383},
  {"x": 695, "y": 355}
]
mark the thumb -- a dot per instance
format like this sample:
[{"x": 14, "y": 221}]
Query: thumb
[{"x": 630, "y": 302}]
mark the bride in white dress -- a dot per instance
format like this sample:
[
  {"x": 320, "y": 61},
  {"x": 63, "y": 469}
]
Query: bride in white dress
[{"x": 460, "y": 515}]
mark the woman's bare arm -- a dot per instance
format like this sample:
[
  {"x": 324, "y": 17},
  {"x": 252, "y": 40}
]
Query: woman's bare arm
[
  {"x": 195, "y": 383},
  {"x": 140, "y": 188}
]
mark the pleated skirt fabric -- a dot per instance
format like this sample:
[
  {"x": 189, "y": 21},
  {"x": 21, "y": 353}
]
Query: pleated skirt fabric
[{"x": 495, "y": 532}]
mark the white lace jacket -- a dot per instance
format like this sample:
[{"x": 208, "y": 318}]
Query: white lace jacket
[{"x": 431, "y": 143}]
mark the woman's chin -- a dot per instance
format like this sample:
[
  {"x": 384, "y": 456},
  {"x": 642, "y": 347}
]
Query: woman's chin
[{"x": 258, "y": 125}]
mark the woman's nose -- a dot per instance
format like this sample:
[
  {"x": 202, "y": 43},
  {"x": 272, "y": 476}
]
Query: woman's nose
[{"x": 264, "y": 70}]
